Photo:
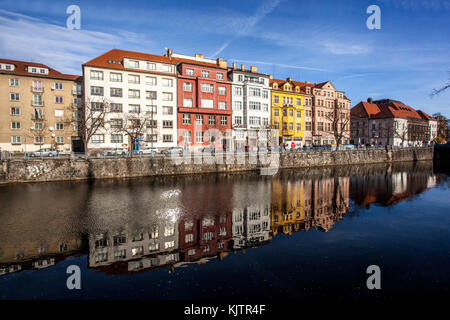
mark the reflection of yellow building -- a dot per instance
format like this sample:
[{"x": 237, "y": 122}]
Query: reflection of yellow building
[
  {"x": 287, "y": 110},
  {"x": 302, "y": 204}
]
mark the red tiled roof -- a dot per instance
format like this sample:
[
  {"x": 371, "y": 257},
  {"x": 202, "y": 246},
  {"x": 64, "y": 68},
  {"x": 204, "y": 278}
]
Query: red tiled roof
[
  {"x": 21, "y": 69},
  {"x": 386, "y": 109},
  {"x": 117, "y": 55},
  {"x": 425, "y": 116}
]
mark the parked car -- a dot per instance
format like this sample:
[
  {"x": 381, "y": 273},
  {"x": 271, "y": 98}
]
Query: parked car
[
  {"x": 172, "y": 150},
  {"x": 46, "y": 152},
  {"x": 115, "y": 152},
  {"x": 148, "y": 151}
]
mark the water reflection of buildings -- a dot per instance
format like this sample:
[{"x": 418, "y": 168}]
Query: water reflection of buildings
[
  {"x": 130, "y": 229},
  {"x": 301, "y": 204}
]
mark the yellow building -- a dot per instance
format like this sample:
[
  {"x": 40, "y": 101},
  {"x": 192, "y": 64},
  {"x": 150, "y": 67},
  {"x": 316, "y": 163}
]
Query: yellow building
[{"x": 287, "y": 110}]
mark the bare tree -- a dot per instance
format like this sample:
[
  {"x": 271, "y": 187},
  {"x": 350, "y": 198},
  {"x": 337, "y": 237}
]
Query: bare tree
[
  {"x": 134, "y": 125},
  {"x": 445, "y": 87},
  {"x": 38, "y": 130},
  {"x": 89, "y": 117},
  {"x": 340, "y": 123},
  {"x": 401, "y": 133}
]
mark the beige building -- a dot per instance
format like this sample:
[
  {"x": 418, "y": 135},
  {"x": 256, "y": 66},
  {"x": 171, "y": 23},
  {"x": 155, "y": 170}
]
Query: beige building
[{"x": 36, "y": 107}]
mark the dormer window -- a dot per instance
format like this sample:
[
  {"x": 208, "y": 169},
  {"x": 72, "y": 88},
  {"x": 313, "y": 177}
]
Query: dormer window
[{"x": 275, "y": 86}]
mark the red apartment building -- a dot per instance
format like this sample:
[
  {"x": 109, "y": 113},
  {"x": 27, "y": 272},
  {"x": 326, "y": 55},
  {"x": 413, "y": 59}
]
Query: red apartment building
[{"x": 204, "y": 102}]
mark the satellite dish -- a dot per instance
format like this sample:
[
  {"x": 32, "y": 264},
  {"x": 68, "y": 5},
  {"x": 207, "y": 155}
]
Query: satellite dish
[
  {"x": 53, "y": 135},
  {"x": 50, "y": 128}
]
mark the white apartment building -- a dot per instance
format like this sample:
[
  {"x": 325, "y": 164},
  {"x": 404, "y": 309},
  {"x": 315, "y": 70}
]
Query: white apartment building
[
  {"x": 138, "y": 83},
  {"x": 250, "y": 99}
]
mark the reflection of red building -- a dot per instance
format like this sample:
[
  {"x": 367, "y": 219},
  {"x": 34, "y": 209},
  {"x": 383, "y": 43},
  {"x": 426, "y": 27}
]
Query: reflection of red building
[
  {"x": 205, "y": 237},
  {"x": 204, "y": 99}
]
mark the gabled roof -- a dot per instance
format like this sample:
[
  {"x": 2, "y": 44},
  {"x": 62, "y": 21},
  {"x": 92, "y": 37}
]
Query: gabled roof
[
  {"x": 21, "y": 69},
  {"x": 386, "y": 109},
  {"x": 364, "y": 110},
  {"x": 425, "y": 116}
]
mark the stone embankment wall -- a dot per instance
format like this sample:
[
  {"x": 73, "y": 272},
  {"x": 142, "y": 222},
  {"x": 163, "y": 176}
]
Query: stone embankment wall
[{"x": 40, "y": 170}]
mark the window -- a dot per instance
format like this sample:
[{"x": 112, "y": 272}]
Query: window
[
  {"x": 116, "y": 107},
  {"x": 223, "y": 120},
  {"x": 116, "y": 92},
  {"x": 299, "y": 127},
  {"x": 96, "y": 75},
  {"x": 97, "y": 91},
  {"x": 137, "y": 251},
  {"x": 238, "y": 91},
  {"x": 59, "y": 126},
  {"x": 254, "y": 105},
  {"x": 135, "y": 108},
  {"x": 38, "y": 114},
  {"x": 58, "y": 86},
  {"x": 37, "y": 100},
  {"x": 187, "y": 86},
  {"x": 207, "y": 103},
  {"x": 115, "y": 77},
  {"x": 134, "y": 94},
  {"x": 187, "y": 103},
  {"x": 151, "y": 109},
  {"x": 199, "y": 136},
  {"x": 308, "y": 126},
  {"x": 238, "y": 120},
  {"x": 167, "y": 138},
  {"x": 167, "y": 124},
  {"x": 37, "y": 86},
  {"x": 207, "y": 87},
  {"x": 167, "y": 96},
  {"x": 152, "y": 124},
  {"x": 38, "y": 140},
  {"x": 167, "y": 82},
  {"x": 237, "y": 105},
  {"x": 151, "y": 81},
  {"x": 153, "y": 247},
  {"x": 276, "y": 99},
  {"x": 266, "y": 121},
  {"x": 167, "y": 110},
  {"x": 14, "y": 97},
  {"x": 189, "y": 238},
  {"x": 166, "y": 68},
  {"x": 186, "y": 137},
  {"x": 150, "y": 95},
  {"x": 265, "y": 94},
  {"x": 116, "y": 123},
  {"x": 205, "y": 74},
  {"x": 222, "y": 90},
  {"x": 219, "y": 76},
  {"x": 186, "y": 118},
  {"x": 98, "y": 138},
  {"x": 59, "y": 140},
  {"x": 222, "y": 105},
  {"x": 199, "y": 119},
  {"x": 298, "y": 101},
  {"x": 169, "y": 244},
  {"x": 212, "y": 120},
  {"x": 16, "y": 139},
  {"x": 299, "y": 114},
  {"x": 151, "y": 66},
  {"x": 320, "y": 126},
  {"x": 255, "y": 120},
  {"x": 133, "y": 64},
  {"x": 13, "y": 82},
  {"x": 190, "y": 72},
  {"x": 15, "y": 125},
  {"x": 291, "y": 112},
  {"x": 132, "y": 78},
  {"x": 254, "y": 92},
  {"x": 276, "y": 112},
  {"x": 15, "y": 111}
]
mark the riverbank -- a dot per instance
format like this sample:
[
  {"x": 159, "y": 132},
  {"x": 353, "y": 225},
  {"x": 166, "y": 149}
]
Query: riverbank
[{"x": 41, "y": 170}]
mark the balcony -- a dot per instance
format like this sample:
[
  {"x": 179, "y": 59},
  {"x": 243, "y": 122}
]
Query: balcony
[
  {"x": 37, "y": 89},
  {"x": 37, "y": 103},
  {"x": 287, "y": 132}
]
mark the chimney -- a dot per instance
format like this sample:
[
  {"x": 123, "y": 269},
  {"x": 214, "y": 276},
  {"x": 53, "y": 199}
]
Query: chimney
[
  {"x": 289, "y": 79},
  {"x": 198, "y": 56},
  {"x": 169, "y": 52},
  {"x": 253, "y": 69},
  {"x": 221, "y": 63},
  {"x": 270, "y": 77},
  {"x": 242, "y": 67},
  {"x": 369, "y": 100},
  {"x": 234, "y": 65},
  {"x": 307, "y": 82}
]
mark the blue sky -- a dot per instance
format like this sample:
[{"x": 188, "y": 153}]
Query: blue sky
[{"x": 308, "y": 40}]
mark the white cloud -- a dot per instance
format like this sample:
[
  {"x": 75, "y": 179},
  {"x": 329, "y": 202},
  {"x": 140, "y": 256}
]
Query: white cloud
[{"x": 30, "y": 39}]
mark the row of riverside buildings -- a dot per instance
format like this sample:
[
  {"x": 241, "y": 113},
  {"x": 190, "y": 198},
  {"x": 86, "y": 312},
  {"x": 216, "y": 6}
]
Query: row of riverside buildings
[{"x": 189, "y": 101}]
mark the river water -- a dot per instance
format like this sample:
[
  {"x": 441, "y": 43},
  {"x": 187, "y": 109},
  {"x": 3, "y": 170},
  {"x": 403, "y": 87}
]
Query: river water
[{"x": 297, "y": 235}]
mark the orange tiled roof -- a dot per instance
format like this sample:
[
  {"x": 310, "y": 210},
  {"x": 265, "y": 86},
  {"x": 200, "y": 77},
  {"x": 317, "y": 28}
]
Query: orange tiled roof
[
  {"x": 386, "y": 109},
  {"x": 21, "y": 69}
]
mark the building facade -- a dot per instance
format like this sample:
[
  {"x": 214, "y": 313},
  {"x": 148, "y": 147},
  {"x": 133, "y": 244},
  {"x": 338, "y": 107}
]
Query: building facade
[
  {"x": 36, "y": 103},
  {"x": 135, "y": 86},
  {"x": 203, "y": 102},
  {"x": 287, "y": 111},
  {"x": 389, "y": 122},
  {"x": 251, "y": 107}
]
